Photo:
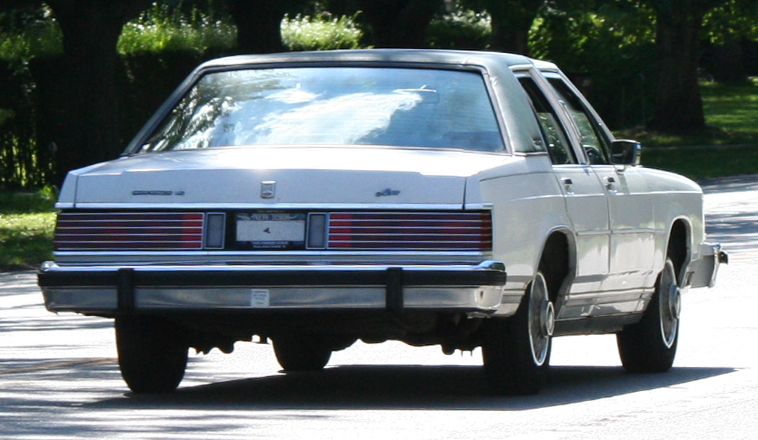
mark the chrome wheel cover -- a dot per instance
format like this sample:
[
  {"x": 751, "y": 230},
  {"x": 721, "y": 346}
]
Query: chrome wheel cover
[
  {"x": 541, "y": 319},
  {"x": 670, "y": 304}
]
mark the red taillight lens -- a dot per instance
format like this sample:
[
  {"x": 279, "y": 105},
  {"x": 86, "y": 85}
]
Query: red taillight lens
[
  {"x": 129, "y": 231},
  {"x": 410, "y": 231}
]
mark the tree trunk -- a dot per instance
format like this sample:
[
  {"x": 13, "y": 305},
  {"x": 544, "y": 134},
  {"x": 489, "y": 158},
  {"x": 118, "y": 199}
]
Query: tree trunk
[
  {"x": 399, "y": 23},
  {"x": 259, "y": 23},
  {"x": 678, "y": 107},
  {"x": 511, "y": 21},
  {"x": 80, "y": 113}
]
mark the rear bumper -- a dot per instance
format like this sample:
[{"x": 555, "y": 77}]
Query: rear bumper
[
  {"x": 705, "y": 269},
  {"x": 108, "y": 290}
]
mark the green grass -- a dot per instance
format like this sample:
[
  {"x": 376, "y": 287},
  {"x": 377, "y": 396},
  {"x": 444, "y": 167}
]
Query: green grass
[
  {"x": 27, "y": 222},
  {"x": 728, "y": 148},
  {"x": 704, "y": 162},
  {"x": 733, "y": 109}
]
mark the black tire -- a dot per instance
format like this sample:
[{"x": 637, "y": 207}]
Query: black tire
[
  {"x": 297, "y": 353},
  {"x": 649, "y": 346},
  {"x": 152, "y": 354},
  {"x": 516, "y": 351}
]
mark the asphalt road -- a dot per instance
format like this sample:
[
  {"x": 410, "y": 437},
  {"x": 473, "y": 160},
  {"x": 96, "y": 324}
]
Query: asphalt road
[{"x": 59, "y": 378}]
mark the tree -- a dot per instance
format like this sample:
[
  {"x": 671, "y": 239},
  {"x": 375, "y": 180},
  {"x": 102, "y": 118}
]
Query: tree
[
  {"x": 678, "y": 105},
  {"x": 79, "y": 100},
  {"x": 730, "y": 29},
  {"x": 511, "y": 22},
  {"x": 398, "y": 23},
  {"x": 259, "y": 23}
]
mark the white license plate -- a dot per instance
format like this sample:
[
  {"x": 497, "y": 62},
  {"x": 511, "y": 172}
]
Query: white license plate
[{"x": 270, "y": 228}]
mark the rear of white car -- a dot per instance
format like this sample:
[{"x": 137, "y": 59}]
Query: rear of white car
[{"x": 319, "y": 199}]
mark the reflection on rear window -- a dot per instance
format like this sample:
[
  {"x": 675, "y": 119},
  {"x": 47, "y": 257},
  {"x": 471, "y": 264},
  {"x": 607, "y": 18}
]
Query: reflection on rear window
[{"x": 334, "y": 106}]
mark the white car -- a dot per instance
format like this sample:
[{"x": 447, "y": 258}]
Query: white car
[{"x": 464, "y": 199}]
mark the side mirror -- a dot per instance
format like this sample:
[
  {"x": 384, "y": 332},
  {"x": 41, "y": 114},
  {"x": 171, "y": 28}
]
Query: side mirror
[{"x": 625, "y": 152}]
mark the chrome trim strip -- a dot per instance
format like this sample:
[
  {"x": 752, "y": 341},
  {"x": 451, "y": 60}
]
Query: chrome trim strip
[
  {"x": 267, "y": 206},
  {"x": 279, "y": 254}
]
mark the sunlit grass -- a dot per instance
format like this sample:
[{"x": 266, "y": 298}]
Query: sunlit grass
[
  {"x": 26, "y": 240},
  {"x": 732, "y": 108},
  {"x": 27, "y": 224},
  {"x": 728, "y": 148}
]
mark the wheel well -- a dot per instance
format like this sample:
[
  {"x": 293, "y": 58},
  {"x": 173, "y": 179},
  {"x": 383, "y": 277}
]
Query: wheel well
[
  {"x": 554, "y": 262},
  {"x": 678, "y": 248}
]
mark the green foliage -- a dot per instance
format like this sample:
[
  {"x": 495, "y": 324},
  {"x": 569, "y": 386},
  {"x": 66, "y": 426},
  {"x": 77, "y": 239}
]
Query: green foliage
[
  {"x": 26, "y": 35},
  {"x": 704, "y": 162},
  {"x": 460, "y": 29},
  {"x": 15, "y": 202},
  {"x": 320, "y": 33},
  {"x": 26, "y": 240},
  {"x": 168, "y": 28},
  {"x": 731, "y": 20},
  {"x": 5, "y": 115},
  {"x": 611, "y": 48},
  {"x": 27, "y": 224}
]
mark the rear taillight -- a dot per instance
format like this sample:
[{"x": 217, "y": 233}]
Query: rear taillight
[
  {"x": 410, "y": 231},
  {"x": 129, "y": 231}
]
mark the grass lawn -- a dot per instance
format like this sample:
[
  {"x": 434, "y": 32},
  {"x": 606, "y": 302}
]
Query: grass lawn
[
  {"x": 731, "y": 146},
  {"x": 27, "y": 222}
]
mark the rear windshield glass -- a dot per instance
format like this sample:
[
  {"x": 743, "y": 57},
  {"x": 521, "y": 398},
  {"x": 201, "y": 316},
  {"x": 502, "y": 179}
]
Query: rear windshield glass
[{"x": 333, "y": 106}]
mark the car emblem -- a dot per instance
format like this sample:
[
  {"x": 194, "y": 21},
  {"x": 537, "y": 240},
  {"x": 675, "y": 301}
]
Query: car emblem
[
  {"x": 388, "y": 192},
  {"x": 157, "y": 192},
  {"x": 268, "y": 189}
]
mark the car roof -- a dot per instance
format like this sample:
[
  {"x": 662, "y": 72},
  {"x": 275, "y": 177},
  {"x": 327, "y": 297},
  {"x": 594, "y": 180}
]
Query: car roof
[{"x": 417, "y": 56}]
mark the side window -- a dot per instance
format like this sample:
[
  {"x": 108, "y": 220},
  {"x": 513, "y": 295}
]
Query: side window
[
  {"x": 595, "y": 143},
  {"x": 558, "y": 146}
]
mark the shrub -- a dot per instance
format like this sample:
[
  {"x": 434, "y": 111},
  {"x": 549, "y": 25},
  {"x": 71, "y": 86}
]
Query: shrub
[
  {"x": 460, "y": 29},
  {"x": 320, "y": 33},
  {"x": 25, "y": 35},
  {"x": 165, "y": 28}
]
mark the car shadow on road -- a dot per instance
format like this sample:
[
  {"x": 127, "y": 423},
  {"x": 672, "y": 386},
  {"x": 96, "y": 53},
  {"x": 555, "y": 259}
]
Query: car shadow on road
[{"x": 408, "y": 387}]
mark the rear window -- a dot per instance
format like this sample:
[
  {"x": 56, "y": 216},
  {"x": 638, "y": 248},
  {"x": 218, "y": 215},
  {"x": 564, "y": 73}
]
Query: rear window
[{"x": 333, "y": 106}]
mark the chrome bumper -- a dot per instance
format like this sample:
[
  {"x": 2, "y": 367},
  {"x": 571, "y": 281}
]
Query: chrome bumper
[
  {"x": 704, "y": 270},
  {"x": 109, "y": 290}
]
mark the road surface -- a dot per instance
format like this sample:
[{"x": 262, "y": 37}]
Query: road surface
[{"x": 59, "y": 378}]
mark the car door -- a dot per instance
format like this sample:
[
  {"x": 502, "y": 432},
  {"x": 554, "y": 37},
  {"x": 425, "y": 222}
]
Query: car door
[
  {"x": 632, "y": 238},
  {"x": 585, "y": 200}
]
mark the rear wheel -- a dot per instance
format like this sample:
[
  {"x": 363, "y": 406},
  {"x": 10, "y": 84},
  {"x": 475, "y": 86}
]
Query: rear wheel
[
  {"x": 152, "y": 354},
  {"x": 649, "y": 346},
  {"x": 301, "y": 353},
  {"x": 517, "y": 350}
]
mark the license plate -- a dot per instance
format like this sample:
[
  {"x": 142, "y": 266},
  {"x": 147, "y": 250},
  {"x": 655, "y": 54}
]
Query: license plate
[{"x": 271, "y": 230}]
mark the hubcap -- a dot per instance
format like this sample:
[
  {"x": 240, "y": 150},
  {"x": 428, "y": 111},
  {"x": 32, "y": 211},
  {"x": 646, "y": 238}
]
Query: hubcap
[
  {"x": 547, "y": 319},
  {"x": 670, "y": 298},
  {"x": 541, "y": 319}
]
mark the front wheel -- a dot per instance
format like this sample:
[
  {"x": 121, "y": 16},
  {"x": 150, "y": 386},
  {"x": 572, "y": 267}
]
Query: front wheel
[
  {"x": 517, "y": 350},
  {"x": 649, "y": 346},
  {"x": 152, "y": 354}
]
